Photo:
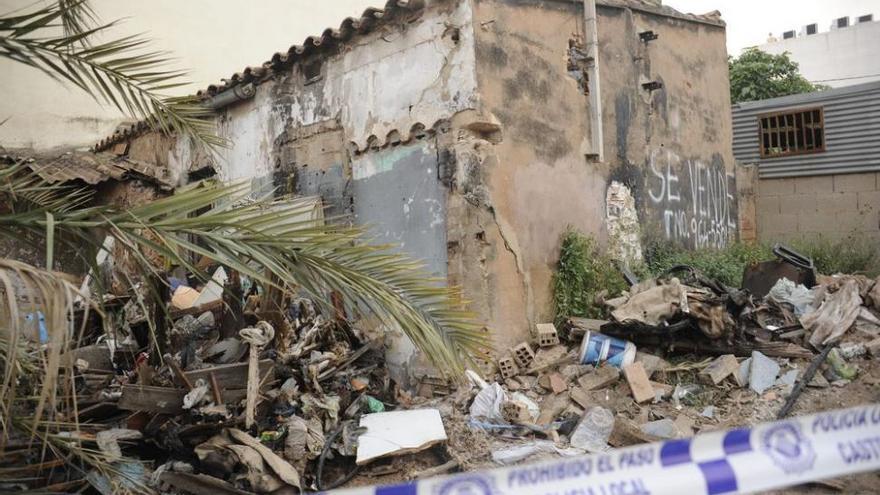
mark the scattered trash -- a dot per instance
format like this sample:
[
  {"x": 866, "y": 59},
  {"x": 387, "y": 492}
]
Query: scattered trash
[
  {"x": 597, "y": 349},
  {"x": 762, "y": 372},
  {"x": 839, "y": 367},
  {"x": 397, "y": 432},
  {"x": 800, "y": 298},
  {"x": 592, "y": 433},
  {"x": 285, "y": 394}
]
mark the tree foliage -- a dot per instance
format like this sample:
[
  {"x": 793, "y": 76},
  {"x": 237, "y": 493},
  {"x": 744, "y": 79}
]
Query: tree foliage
[{"x": 757, "y": 75}]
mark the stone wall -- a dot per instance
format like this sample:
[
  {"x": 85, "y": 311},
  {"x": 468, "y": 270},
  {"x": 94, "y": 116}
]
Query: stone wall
[{"x": 832, "y": 206}]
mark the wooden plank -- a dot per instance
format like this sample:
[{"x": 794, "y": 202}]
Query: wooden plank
[
  {"x": 151, "y": 399},
  {"x": 231, "y": 376},
  {"x": 164, "y": 400}
]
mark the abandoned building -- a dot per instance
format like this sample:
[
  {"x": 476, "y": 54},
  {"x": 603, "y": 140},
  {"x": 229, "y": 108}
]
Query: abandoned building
[
  {"x": 816, "y": 160},
  {"x": 474, "y": 132}
]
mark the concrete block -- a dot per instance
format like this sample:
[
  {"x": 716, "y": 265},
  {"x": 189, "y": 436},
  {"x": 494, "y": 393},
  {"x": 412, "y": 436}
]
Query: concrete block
[
  {"x": 777, "y": 224},
  {"x": 775, "y": 187},
  {"x": 856, "y": 221},
  {"x": 719, "y": 369},
  {"x": 868, "y": 201},
  {"x": 817, "y": 222},
  {"x": 639, "y": 384},
  {"x": 507, "y": 367},
  {"x": 601, "y": 377},
  {"x": 557, "y": 383},
  {"x": 662, "y": 428},
  {"x": 855, "y": 182},
  {"x": 523, "y": 355},
  {"x": 651, "y": 362},
  {"x": 762, "y": 372},
  {"x": 768, "y": 204},
  {"x": 816, "y": 184},
  {"x": 836, "y": 202},
  {"x": 798, "y": 203},
  {"x": 547, "y": 334}
]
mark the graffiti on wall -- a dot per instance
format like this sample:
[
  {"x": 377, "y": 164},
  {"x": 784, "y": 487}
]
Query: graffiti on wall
[{"x": 696, "y": 200}]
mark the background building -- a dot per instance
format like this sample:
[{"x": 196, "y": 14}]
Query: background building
[
  {"x": 818, "y": 163},
  {"x": 842, "y": 55}
]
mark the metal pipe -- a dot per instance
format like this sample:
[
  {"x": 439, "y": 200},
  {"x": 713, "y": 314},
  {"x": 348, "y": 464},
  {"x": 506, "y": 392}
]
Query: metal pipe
[
  {"x": 591, "y": 39},
  {"x": 235, "y": 94}
]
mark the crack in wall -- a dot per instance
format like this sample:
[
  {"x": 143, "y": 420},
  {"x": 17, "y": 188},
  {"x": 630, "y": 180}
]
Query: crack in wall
[{"x": 520, "y": 269}]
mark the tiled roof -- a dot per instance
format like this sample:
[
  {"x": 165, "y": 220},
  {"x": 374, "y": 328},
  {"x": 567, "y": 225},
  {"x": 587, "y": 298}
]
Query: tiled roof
[
  {"x": 369, "y": 21},
  {"x": 91, "y": 168}
]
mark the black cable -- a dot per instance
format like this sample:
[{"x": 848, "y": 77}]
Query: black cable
[{"x": 324, "y": 452}]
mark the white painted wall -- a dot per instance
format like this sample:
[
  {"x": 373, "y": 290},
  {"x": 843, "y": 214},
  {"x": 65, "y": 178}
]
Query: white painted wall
[
  {"x": 388, "y": 81},
  {"x": 838, "y": 57}
]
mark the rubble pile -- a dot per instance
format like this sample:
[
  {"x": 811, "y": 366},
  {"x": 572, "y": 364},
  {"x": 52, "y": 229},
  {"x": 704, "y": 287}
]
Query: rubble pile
[
  {"x": 252, "y": 397},
  {"x": 232, "y": 403},
  {"x": 682, "y": 354}
]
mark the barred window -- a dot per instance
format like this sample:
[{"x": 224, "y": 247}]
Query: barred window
[{"x": 792, "y": 133}]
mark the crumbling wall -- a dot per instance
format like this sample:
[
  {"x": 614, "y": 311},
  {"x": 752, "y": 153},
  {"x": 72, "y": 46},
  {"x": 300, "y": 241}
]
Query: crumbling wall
[
  {"x": 358, "y": 127},
  {"x": 667, "y": 119},
  {"x": 539, "y": 181},
  {"x": 668, "y": 167}
]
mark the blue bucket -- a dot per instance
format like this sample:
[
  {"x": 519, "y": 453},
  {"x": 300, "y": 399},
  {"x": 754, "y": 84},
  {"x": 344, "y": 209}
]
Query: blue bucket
[{"x": 597, "y": 349}]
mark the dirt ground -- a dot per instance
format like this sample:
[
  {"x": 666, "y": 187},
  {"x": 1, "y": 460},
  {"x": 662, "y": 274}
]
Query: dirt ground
[{"x": 734, "y": 407}]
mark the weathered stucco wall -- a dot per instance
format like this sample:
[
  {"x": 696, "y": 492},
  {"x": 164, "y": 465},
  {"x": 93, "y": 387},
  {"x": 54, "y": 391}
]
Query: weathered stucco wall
[
  {"x": 671, "y": 146},
  {"x": 376, "y": 90},
  {"x": 667, "y": 152},
  {"x": 462, "y": 133},
  {"x": 360, "y": 129}
]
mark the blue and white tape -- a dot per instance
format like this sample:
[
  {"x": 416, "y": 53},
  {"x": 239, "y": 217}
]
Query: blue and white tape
[{"x": 745, "y": 460}]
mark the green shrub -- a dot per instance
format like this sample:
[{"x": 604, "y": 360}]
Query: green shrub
[
  {"x": 724, "y": 265},
  {"x": 583, "y": 271},
  {"x": 852, "y": 254}
]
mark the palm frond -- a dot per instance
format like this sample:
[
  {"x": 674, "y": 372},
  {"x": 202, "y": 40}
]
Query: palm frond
[
  {"x": 77, "y": 17},
  {"x": 31, "y": 294},
  {"x": 278, "y": 243},
  {"x": 121, "y": 72}
]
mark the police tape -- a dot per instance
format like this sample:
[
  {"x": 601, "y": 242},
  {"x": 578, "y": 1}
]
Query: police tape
[{"x": 744, "y": 460}]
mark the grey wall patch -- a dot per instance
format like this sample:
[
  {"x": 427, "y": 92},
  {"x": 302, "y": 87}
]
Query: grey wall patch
[{"x": 398, "y": 194}]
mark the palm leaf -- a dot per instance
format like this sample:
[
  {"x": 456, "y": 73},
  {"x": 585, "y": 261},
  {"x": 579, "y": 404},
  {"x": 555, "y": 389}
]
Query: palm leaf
[
  {"x": 121, "y": 72},
  {"x": 274, "y": 242}
]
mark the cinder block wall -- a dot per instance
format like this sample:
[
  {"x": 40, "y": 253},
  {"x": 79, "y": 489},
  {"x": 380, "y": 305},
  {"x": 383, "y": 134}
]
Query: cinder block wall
[{"x": 832, "y": 206}]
